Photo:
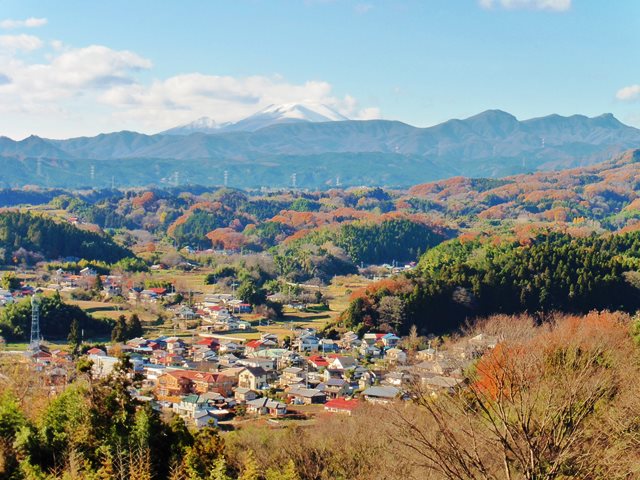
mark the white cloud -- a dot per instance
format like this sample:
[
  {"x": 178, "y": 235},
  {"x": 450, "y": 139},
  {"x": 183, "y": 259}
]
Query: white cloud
[
  {"x": 554, "y": 5},
  {"x": 182, "y": 98},
  {"x": 98, "y": 89},
  {"x": 39, "y": 87},
  {"x": 30, "y": 22},
  {"x": 632, "y": 92},
  {"x": 22, "y": 42}
]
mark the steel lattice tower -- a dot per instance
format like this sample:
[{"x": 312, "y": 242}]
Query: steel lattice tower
[{"x": 34, "y": 342}]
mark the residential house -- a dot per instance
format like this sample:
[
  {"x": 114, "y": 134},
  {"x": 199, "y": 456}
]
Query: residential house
[
  {"x": 318, "y": 361},
  {"x": 341, "y": 405},
  {"x": 244, "y": 395},
  {"x": 306, "y": 342},
  {"x": 204, "y": 418},
  {"x": 349, "y": 340},
  {"x": 436, "y": 383},
  {"x": 369, "y": 350},
  {"x": 326, "y": 345},
  {"x": 230, "y": 347},
  {"x": 292, "y": 376},
  {"x": 342, "y": 363},
  {"x": 366, "y": 380},
  {"x": 266, "y": 406},
  {"x": 267, "y": 364},
  {"x": 257, "y": 345},
  {"x": 335, "y": 387},
  {"x": 253, "y": 378},
  {"x": 396, "y": 356},
  {"x": 181, "y": 382},
  {"x": 390, "y": 340},
  {"x": 377, "y": 394},
  {"x": 103, "y": 365},
  {"x": 426, "y": 354},
  {"x": 397, "y": 378},
  {"x": 306, "y": 396}
]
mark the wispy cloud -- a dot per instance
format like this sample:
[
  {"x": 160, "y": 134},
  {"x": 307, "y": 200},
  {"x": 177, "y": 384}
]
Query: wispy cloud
[
  {"x": 553, "y": 5},
  {"x": 632, "y": 92},
  {"x": 20, "y": 42},
  {"x": 362, "y": 8},
  {"x": 30, "y": 22}
]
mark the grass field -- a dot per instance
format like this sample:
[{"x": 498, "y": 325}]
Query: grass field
[{"x": 111, "y": 310}]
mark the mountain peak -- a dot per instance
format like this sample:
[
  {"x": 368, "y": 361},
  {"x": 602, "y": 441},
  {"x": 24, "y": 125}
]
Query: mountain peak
[
  {"x": 288, "y": 113},
  {"x": 271, "y": 115},
  {"x": 200, "y": 125},
  {"x": 310, "y": 112}
]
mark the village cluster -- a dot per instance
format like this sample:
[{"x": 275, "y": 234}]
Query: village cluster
[{"x": 212, "y": 379}]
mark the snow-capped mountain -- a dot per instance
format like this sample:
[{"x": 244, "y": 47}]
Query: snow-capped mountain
[
  {"x": 271, "y": 115},
  {"x": 287, "y": 113},
  {"x": 201, "y": 125}
]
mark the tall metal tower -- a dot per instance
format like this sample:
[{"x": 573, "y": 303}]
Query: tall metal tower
[{"x": 34, "y": 343}]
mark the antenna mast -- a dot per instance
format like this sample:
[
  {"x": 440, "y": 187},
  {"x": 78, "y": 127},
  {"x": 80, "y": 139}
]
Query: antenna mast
[{"x": 34, "y": 342}]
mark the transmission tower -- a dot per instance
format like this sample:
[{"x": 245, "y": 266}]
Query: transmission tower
[{"x": 34, "y": 343}]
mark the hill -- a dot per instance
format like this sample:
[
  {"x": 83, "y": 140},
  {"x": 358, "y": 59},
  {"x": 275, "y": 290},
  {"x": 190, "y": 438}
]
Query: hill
[
  {"x": 606, "y": 193},
  {"x": 31, "y": 237}
]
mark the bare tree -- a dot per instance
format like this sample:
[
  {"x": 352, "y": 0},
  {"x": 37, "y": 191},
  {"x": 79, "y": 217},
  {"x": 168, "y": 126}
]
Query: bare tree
[{"x": 532, "y": 408}]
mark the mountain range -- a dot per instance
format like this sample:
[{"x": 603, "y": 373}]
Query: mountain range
[{"x": 320, "y": 146}]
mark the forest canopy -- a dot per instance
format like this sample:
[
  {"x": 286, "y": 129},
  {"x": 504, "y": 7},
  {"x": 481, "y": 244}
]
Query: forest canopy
[
  {"x": 460, "y": 280},
  {"x": 34, "y": 237}
]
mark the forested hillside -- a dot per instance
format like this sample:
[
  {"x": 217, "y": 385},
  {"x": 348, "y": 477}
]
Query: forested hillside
[
  {"x": 30, "y": 237},
  {"x": 56, "y": 318},
  {"x": 460, "y": 280}
]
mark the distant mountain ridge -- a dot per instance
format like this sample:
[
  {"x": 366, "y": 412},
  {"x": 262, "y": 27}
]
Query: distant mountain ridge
[{"x": 268, "y": 147}]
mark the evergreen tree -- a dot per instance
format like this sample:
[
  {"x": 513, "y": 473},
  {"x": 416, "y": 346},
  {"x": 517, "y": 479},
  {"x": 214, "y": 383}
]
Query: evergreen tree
[
  {"x": 74, "y": 337},
  {"x": 97, "y": 284},
  {"x": 119, "y": 332},
  {"x": 134, "y": 327},
  {"x": 219, "y": 470}
]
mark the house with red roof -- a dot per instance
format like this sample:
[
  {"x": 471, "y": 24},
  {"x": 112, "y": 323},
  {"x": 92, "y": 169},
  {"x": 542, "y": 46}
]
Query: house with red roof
[
  {"x": 258, "y": 345},
  {"x": 341, "y": 405},
  {"x": 182, "y": 382},
  {"x": 318, "y": 361}
]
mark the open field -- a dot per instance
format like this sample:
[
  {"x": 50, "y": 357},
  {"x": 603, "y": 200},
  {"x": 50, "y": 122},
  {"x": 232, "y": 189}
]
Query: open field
[{"x": 111, "y": 310}]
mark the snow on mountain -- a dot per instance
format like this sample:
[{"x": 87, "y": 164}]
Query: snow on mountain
[
  {"x": 287, "y": 113},
  {"x": 271, "y": 115},
  {"x": 201, "y": 125},
  {"x": 309, "y": 112}
]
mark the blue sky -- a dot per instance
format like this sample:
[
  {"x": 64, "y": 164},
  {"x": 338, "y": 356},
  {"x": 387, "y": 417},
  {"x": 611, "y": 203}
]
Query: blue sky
[{"x": 70, "y": 68}]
